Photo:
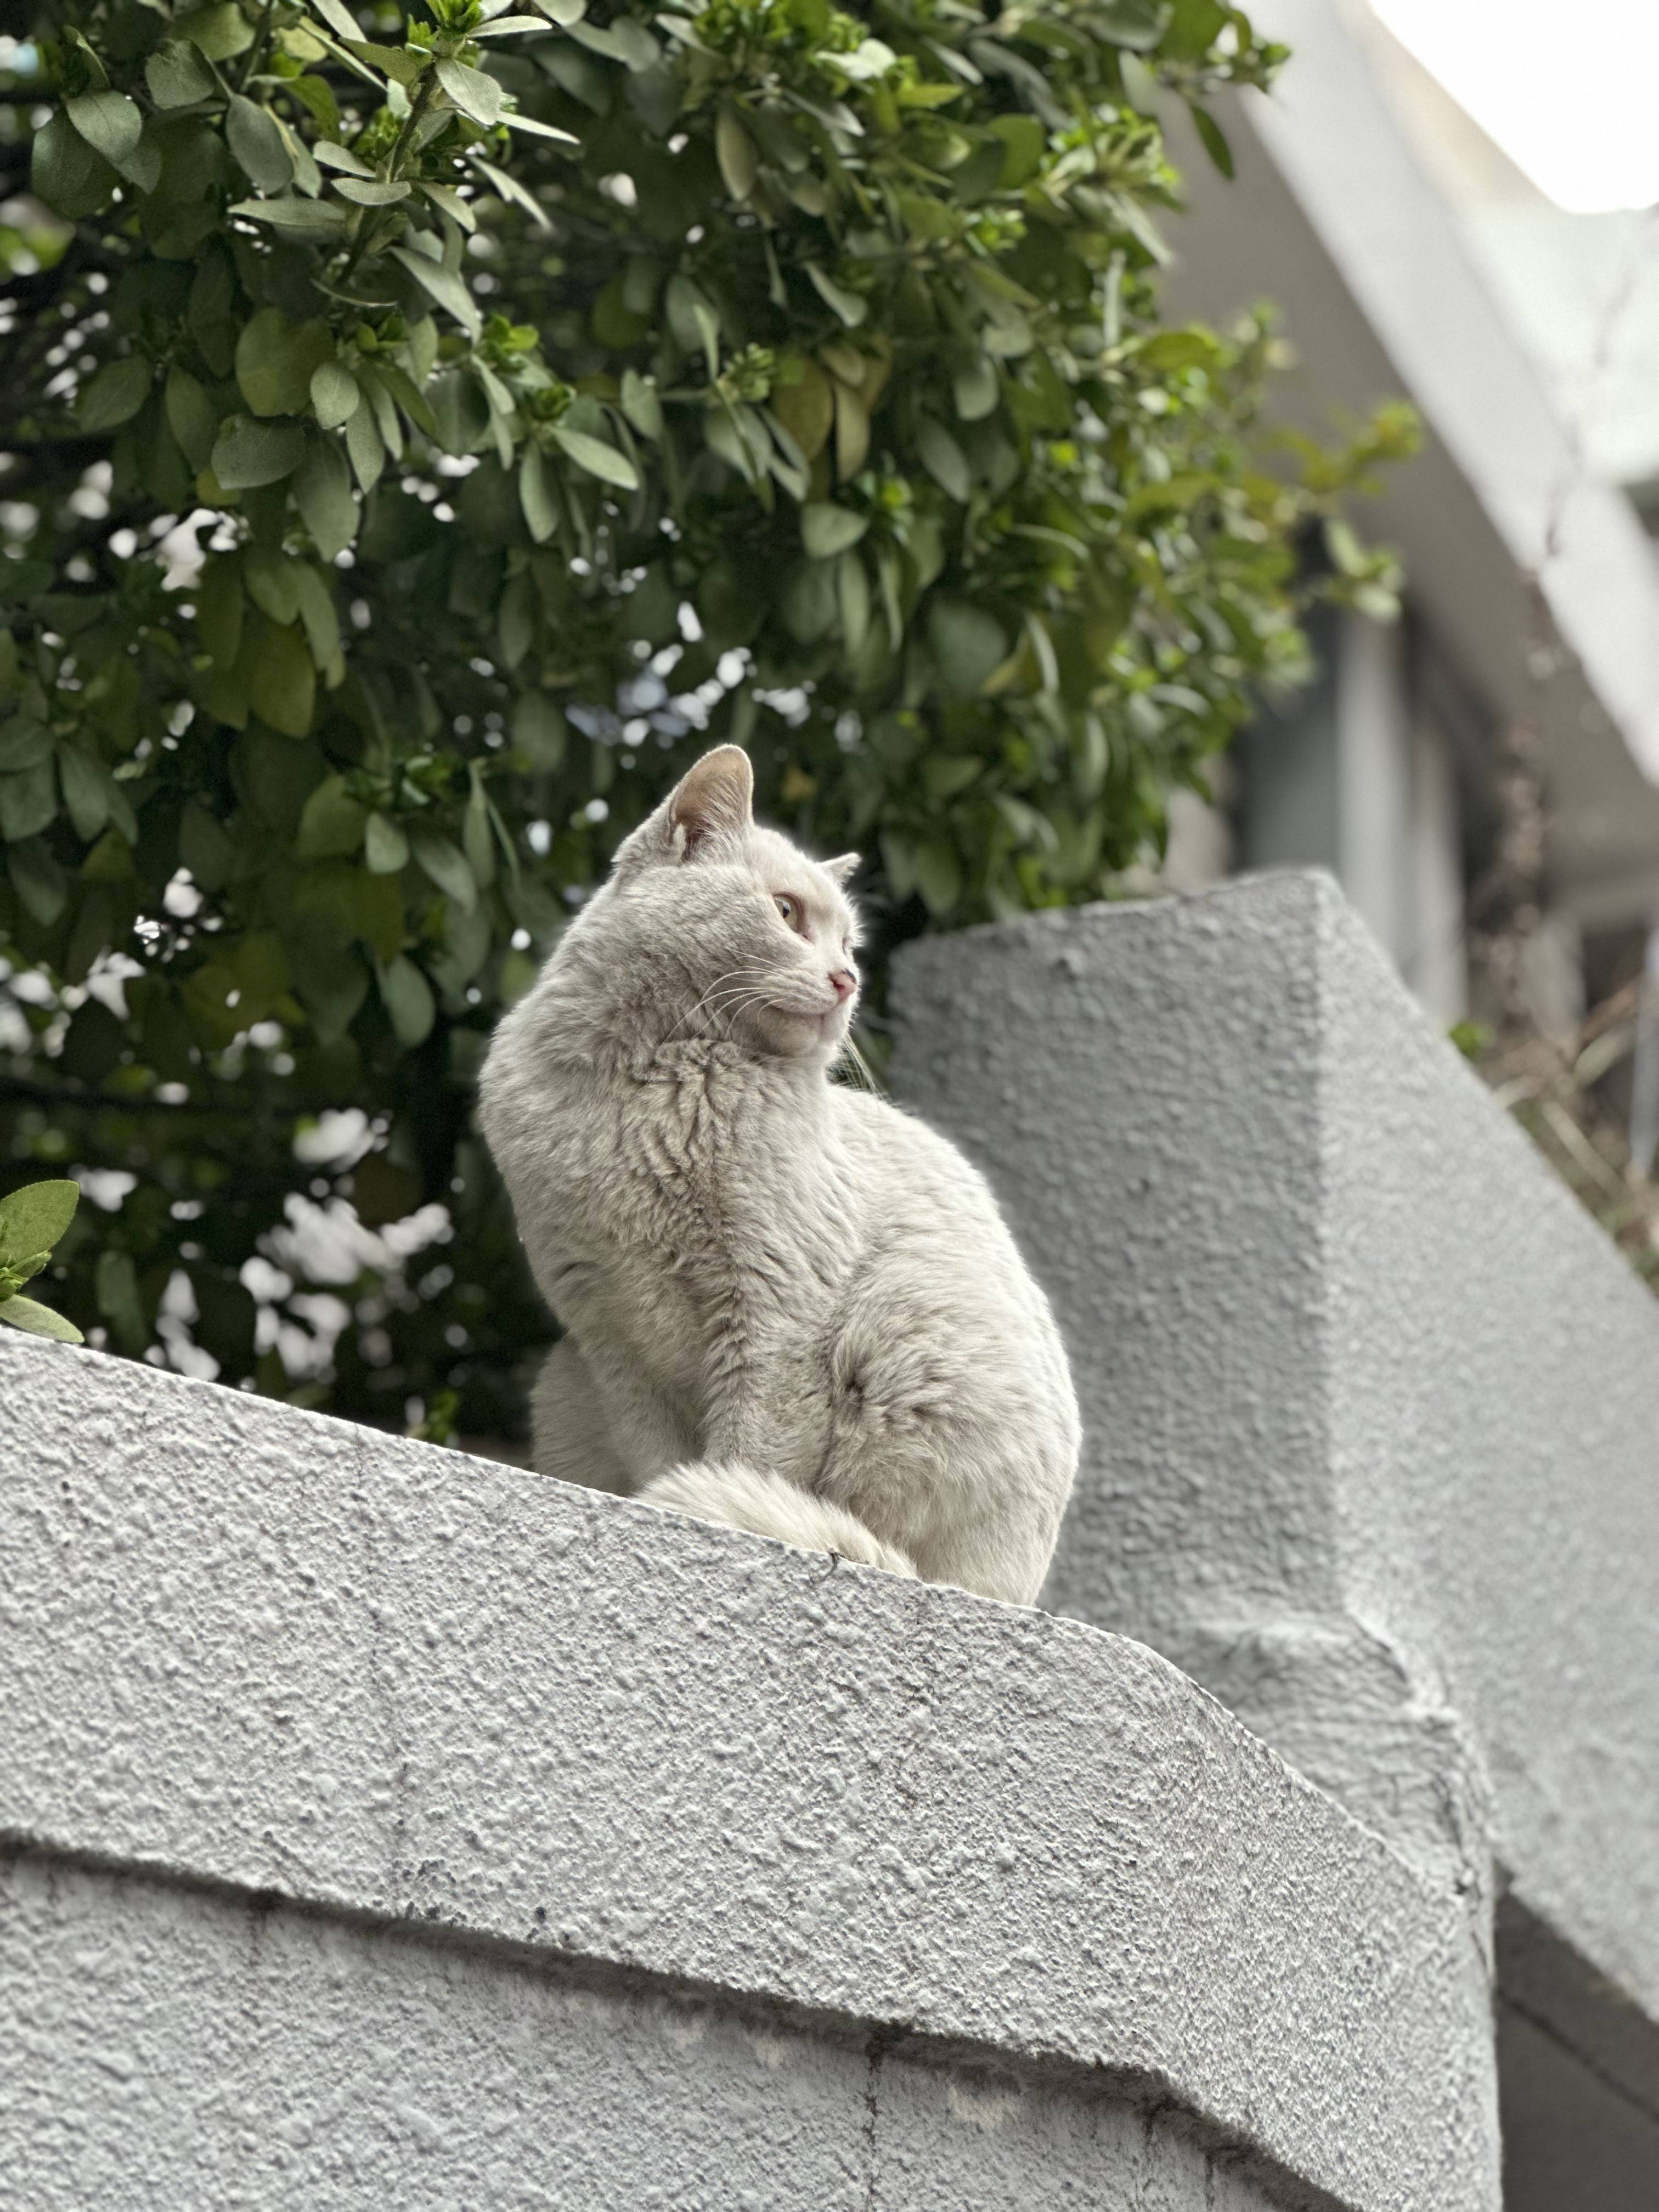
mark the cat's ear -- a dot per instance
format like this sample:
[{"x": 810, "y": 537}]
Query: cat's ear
[
  {"x": 843, "y": 867},
  {"x": 714, "y": 797},
  {"x": 712, "y": 800}
]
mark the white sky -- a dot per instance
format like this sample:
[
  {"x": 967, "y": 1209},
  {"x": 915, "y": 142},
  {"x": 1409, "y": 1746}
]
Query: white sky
[{"x": 1569, "y": 88}]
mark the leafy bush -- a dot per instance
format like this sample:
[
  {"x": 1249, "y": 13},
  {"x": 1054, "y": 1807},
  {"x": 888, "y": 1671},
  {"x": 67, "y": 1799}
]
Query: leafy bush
[
  {"x": 425, "y": 434},
  {"x": 31, "y": 1220}
]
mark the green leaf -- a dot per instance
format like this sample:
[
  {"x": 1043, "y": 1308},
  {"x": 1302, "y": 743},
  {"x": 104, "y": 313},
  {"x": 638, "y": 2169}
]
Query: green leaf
[
  {"x": 204, "y": 848},
  {"x": 338, "y": 17},
  {"x": 115, "y": 394},
  {"x": 246, "y": 454},
  {"x": 851, "y": 306},
  {"x": 407, "y": 997},
  {"x": 944, "y": 460},
  {"x": 826, "y": 530},
  {"x": 386, "y": 848},
  {"x": 321, "y": 624},
  {"x": 539, "y": 731},
  {"x": 938, "y": 874},
  {"x": 370, "y": 193},
  {"x": 444, "y": 285},
  {"x": 86, "y": 794},
  {"x": 21, "y": 579},
  {"x": 1213, "y": 138},
  {"x": 219, "y": 607},
  {"x": 191, "y": 417},
  {"x": 210, "y": 313},
  {"x": 323, "y": 494},
  {"x": 33, "y": 1220},
  {"x": 281, "y": 681},
  {"x": 812, "y": 601},
  {"x": 1140, "y": 87},
  {"x": 541, "y": 512},
  {"x": 221, "y": 31},
  {"x": 477, "y": 842},
  {"x": 334, "y": 393},
  {"x": 472, "y": 92},
  {"x": 1023, "y": 142},
  {"x": 88, "y": 55},
  {"x": 398, "y": 63},
  {"x": 24, "y": 743},
  {"x": 295, "y": 217},
  {"x": 975, "y": 388},
  {"x": 332, "y": 825},
  {"x": 507, "y": 187},
  {"x": 386, "y": 412},
  {"x": 271, "y": 580},
  {"x": 366, "y": 447},
  {"x": 1138, "y": 24},
  {"x": 690, "y": 314},
  {"x": 446, "y": 866},
  {"x": 402, "y": 389},
  {"x": 734, "y": 149},
  {"x": 177, "y": 75},
  {"x": 28, "y": 802},
  {"x": 516, "y": 122},
  {"x": 111, "y": 123},
  {"x": 509, "y": 26},
  {"x": 256, "y": 144},
  {"x": 641, "y": 404},
  {"x": 116, "y": 1280},
  {"x": 38, "y": 880},
  {"x": 39, "y": 1320},
  {"x": 597, "y": 458},
  {"x": 275, "y": 361},
  {"x": 331, "y": 156},
  {"x": 66, "y": 173},
  {"x": 967, "y": 642}
]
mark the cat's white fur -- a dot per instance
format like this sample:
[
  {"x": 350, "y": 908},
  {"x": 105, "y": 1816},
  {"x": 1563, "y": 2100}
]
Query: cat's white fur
[{"x": 788, "y": 1305}]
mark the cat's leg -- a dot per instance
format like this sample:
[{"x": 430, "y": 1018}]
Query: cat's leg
[
  {"x": 570, "y": 1430},
  {"x": 746, "y": 1498}
]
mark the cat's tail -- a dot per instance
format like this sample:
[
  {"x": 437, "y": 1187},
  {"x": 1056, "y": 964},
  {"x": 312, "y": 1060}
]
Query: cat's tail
[{"x": 745, "y": 1497}]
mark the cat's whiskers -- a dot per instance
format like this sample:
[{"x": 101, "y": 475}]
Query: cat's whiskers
[
  {"x": 735, "y": 1000},
  {"x": 732, "y": 975},
  {"x": 864, "y": 1074}
]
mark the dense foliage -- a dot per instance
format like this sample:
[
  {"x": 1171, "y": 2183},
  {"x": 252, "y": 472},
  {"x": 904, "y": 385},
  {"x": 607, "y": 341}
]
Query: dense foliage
[{"x": 423, "y": 435}]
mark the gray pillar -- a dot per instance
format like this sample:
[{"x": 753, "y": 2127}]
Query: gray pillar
[{"x": 1372, "y": 1407}]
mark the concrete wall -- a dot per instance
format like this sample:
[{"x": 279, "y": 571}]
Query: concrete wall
[
  {"x": 206, "y": 2048},
  {"x": 384, "y": 1826},
  {"x": 1372, "y": 1408}
]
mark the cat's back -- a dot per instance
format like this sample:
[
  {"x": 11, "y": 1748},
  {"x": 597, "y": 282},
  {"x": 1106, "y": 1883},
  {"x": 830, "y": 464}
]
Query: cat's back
[
  {"x": 919, "y": 1189},
  {"x": 896, "y": 1152}
]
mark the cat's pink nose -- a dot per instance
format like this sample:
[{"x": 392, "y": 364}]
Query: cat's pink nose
[{"x": 843, "y": 982}]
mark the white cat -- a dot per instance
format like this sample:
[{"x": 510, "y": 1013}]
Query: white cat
[{"x": 787, "y": 1305}]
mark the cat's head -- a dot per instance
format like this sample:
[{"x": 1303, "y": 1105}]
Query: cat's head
[{"x": 745, "y": 936}]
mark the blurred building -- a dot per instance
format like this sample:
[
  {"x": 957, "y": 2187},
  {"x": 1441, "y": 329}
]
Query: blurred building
[{"x": 1410, "y": 257}]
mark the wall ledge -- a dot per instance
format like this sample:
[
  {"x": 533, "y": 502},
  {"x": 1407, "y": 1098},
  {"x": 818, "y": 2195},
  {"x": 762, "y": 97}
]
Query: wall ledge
[{"x": 256, "y": 1649}]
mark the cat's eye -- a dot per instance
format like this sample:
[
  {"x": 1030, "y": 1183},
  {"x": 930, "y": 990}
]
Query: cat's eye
[{"x": 788, "y": 907}]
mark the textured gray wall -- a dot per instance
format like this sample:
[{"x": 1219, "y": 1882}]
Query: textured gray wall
[
  {"x": 161, "y": 2048},
  {"x": 1372, "y": 1408},
  {"x": 255, "y": 1649}
]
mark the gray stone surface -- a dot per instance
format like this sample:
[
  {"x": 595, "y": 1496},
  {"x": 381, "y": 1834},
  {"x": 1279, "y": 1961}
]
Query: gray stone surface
[
  {"x": 250, "y": 1647},
  {"x": 1371, "y": 1407},
  {"x": 207, "y": 2051}
]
